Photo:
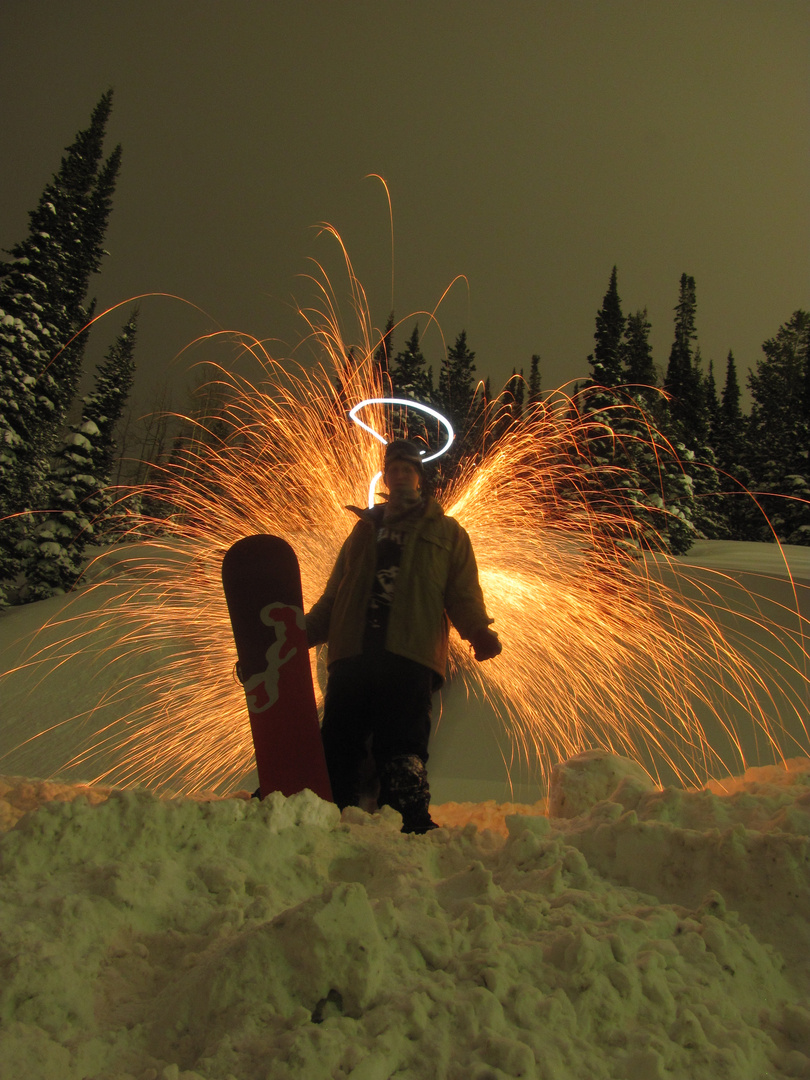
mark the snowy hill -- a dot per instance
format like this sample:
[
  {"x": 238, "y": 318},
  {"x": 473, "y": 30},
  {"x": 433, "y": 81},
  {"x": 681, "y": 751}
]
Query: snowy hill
[{"x": 633, "y": 934}]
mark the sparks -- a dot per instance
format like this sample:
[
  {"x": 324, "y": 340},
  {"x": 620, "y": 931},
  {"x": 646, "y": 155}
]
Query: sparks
[{"x": 599, "y": 650}]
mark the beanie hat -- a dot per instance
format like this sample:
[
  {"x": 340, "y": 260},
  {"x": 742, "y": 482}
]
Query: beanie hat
[{"x": 403, "y": 450}]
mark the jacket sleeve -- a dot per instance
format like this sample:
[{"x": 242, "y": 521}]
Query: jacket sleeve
[
  {"x": 464, "y": 600},
  {"x": 320, "y": 614}
]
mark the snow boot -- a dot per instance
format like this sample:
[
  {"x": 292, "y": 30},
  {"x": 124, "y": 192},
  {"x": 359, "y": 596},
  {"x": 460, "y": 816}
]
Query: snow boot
[{"x": 404, "y": 786}]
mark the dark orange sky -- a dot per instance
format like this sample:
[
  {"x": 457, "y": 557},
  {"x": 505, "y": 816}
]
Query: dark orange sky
[{"x": 527, "y": 146}]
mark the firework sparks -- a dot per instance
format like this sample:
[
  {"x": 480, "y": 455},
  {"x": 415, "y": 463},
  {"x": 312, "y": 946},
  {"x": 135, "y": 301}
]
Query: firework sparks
[{"x": 599, "y": 651}]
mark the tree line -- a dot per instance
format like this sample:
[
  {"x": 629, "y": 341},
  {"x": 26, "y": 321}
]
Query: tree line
[{"x": 687, "y": 456}]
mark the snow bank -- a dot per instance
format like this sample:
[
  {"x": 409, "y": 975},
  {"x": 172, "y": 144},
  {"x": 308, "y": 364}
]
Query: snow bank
[{"x": 654, "y": 934}]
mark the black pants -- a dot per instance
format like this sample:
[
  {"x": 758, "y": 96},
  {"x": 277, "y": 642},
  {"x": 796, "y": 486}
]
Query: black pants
[{"x": 377, "y": 699}]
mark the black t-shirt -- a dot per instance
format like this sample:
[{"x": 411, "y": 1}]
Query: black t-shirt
[{"x": 390, "y": 544}]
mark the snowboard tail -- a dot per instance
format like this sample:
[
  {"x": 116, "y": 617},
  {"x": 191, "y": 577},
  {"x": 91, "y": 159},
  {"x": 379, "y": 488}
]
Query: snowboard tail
[{"x": 262, "y": 583}]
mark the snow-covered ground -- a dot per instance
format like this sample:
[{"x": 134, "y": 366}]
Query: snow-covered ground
[{"x": 614, "y": 930}]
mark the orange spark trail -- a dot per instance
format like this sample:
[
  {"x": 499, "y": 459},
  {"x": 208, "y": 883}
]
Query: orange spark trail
[{"x": 599, "y": 650}]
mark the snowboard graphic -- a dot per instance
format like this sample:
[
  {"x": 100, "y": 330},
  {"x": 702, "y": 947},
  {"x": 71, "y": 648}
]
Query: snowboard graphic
[{"x": 262, "y": 586}]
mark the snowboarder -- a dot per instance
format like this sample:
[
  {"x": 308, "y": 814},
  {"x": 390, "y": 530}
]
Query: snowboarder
[{"x": 403, "y": 571}]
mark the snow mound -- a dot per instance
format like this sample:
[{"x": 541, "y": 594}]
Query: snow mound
[
  {"x": 586, "y": 779},
  {"x": 227, "y": 939}
]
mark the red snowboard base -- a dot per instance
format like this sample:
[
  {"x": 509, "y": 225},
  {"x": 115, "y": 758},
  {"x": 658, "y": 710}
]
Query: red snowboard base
[{"x": 262, "y": 584}]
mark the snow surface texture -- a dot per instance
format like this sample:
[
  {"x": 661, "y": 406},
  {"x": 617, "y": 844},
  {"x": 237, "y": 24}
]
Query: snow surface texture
[
  {"x": 633, "y": 934},
  {"x": 655, "y": 934}
]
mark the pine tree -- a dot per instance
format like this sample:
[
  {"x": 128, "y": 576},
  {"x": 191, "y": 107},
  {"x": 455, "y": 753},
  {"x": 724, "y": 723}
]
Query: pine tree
[
  {"x": 411, "y": 379},
  {"x": 382, "y": 354},
  {"x": 730, "y": 442},
  {"x": 682, "y": 381},
  {"x": 456, "y": 399},
  {"x": 81, "y": 478},
  {"x": 534, "y": 388},
  {"x": 730, "y": 412},
  {"x": 515, "y": 393},
  {"x": 606, "y": 359},
  {"x": 42, "y": 315},
  {"x": 687, "y": 418},
  {"x": 607, "y": 356},
  {"x": 779, "y": 431},
  {"x": 457, "y": 383},
  {"x": 42, "y": 297},
  {"x": 638, "y": 367},
  {"x": 410, "y": 374},
  {"x": 712, "y": 404},
  {"x": 650, "y": 476}
]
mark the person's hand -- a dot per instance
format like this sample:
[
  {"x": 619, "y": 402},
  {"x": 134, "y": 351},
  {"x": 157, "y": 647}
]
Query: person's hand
[{"x": 486, "y": 644}]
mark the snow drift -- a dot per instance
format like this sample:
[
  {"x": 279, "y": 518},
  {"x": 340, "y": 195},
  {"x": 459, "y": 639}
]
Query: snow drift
[
  {"x": 656, "y": 934},
  {"x": 615, "y": 930}
]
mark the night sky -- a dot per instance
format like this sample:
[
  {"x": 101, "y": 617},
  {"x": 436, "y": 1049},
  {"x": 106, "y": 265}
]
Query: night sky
[{"x": 526, "y": 146}]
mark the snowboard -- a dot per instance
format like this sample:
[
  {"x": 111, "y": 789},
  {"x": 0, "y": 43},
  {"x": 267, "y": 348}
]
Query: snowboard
[{"x": 262, "y": 584}]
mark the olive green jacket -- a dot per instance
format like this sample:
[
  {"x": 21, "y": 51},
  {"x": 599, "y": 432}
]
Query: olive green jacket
[{"x": 437, "y": 579}]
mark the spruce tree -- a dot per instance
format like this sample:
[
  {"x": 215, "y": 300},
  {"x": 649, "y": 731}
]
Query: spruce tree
[
  {"x": 638, "y": 367},
  {"x": 42, "y": 315},
  {"x": 615, "y": 478},
  {"x": 411, "y": 379},
  {"x": 42, "y": 297},
  {"x": 410, "y": 373},
  {"x": 712, "y": 404},
  {"x": 730, "y": 448},
  {"x": 607, "y": 355},
  {"x": 730, "y": 413},
  {"x": 682, "y": 381},
  {"x": 625, "y": 442},
  {"x": 456, "y": 399},
  {"x": 518, "y": 388},
  {"x": 382, "y": 354},
  {"x": 534, "y": 387},
  {"x": 81, "y": 477},
  {"x": 687, "y": 418},
  {"x": 457, "y": 382},
  {"x": 779, "y": 433}
]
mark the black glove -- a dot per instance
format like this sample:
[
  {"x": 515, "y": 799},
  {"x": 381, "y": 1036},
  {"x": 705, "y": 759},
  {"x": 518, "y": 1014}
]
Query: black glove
[{"x": 486, "y": 644}]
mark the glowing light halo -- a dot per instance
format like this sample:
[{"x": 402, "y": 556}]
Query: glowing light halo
[{"x": 409, "y": 404}]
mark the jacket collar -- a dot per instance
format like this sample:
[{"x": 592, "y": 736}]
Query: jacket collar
[{"x": 375, "y": 513}]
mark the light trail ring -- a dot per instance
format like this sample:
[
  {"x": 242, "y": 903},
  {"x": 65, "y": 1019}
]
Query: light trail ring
[
  {"x": 381, "y": 438},
  {"x": 408, "y": 405}
]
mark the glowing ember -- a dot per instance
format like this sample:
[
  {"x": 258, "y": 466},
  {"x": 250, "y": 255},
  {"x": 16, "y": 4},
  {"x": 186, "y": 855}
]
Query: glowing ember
[{"x": 598, "y": 650}]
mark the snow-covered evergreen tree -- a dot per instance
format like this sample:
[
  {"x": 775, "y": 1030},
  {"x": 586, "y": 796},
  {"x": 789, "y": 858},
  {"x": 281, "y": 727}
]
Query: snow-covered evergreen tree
[
  {"x": 638, "y": 366},
  {"x": 410, "y": 373},
  {"x": 534, "y": 388},
  {"x": 411, "y": 378},
  {"x": 688, "y": 420},
  {"x": 652, "y": 481},
  {"x": 382, "y": 354},
  {"x": 80, "y": 478},
  {"x": 42, "y": 316},
  {"x": 779, "y": 432},
  {"x": 457, "y": 383},
  {"x": 730, "y": 418},
  {"x": 683, "y": 382},
  {"x": 606, "y": 361},
  {"x": 456, "y": 399},
  {"x": 730, "y": 439}
]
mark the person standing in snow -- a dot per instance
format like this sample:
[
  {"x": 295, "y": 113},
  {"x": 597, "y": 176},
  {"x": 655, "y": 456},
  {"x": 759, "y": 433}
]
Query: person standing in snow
[{"x": 404, "y": 571}]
